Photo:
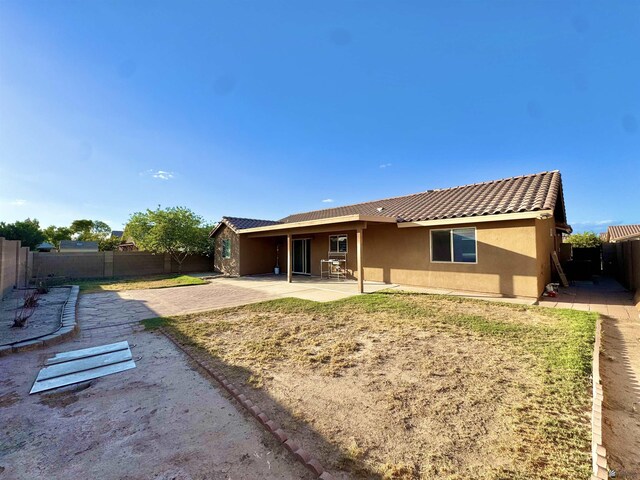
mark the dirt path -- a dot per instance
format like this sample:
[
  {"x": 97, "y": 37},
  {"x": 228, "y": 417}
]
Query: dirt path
[
  {"x": 161, "y": 420},
  {"x": 620, "y": 365}
]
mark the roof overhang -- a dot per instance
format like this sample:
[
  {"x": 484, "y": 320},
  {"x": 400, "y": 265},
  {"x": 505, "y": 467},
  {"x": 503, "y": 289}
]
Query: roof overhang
[
  {"x": 631, "y": 236},
  {"x": 322, "y": 221},
  {"x": 219, "y": 225},
  {"x": 539, "y": 214}
]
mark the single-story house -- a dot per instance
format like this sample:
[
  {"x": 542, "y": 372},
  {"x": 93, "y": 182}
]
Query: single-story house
[
  {"x": 495, "y": 237},
  {"x": 75, "y": 246},
  {"x": 621, "y": 233}
]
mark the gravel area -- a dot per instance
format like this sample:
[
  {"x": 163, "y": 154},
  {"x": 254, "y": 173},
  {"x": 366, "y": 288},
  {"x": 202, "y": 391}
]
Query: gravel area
[{"x": 45, "y": 318}]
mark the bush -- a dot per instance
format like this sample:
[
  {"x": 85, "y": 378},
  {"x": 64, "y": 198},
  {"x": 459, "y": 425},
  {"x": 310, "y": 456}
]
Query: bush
[{"x": 584, "y": 240}]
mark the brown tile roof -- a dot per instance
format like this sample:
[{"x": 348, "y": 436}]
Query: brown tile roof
[
  {"x": 527, "y": 193},
  {"x": 617, "y": 232},
  {"x": 237, "y": 223}
]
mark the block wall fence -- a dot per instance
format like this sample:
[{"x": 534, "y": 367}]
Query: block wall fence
[
  {"x": 14, "y": 265},
  {"x": 112, "y": 264}
]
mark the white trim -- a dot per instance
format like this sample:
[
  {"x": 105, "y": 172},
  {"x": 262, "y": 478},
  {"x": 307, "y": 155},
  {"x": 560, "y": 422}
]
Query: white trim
[
  {"x": 339, "y": 235},
  {"x": 477, "y": 219},
  {"x": 450, "y": 230},
  {"x": 322, "y": 221}
]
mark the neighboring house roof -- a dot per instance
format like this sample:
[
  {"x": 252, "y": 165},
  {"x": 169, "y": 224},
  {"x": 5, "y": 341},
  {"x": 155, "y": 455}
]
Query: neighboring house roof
[
  {"x": 77, "y": 245},
  {"x": 623, "y": 232},
  {"x": 526, "y": 193},
  {"x": 238, "y": 223},
  {"x": 604, "y": 236},
  {"x": 45, "y": 246},
  {"x": 117, "y": 233}
]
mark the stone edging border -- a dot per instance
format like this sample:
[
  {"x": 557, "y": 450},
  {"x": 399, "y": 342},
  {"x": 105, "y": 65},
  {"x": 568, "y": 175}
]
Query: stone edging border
[
  {"x": 67, "y": 329},
  {"x": 598, "y": 452},
  {"x": 304, "y": 457}
]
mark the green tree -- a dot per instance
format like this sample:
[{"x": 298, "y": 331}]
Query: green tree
[
  {"x": 53, "y": 234},
  {"x": 90, "y": 230},
  {"x": 584, "y": 239},
  {"x": 27, "y": 231},
  {"x": 81, "y": 227},
  {"x": 176, "y": 231},
  {"x": 108, "y": 244}
]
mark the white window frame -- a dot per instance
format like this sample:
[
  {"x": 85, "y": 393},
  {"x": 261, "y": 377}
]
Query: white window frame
[
  {"x": 450, "y": 230},
  {"x": 346, "y": 237},
  {"x": 222, "y": 252}
]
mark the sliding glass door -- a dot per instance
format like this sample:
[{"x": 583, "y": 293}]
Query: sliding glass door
[{"x": 302, "y": 256}]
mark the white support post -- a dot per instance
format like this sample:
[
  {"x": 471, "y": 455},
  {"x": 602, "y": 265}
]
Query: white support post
[
  {"x": 359, "y": 260},
  {"x": 289, "y": 257}
]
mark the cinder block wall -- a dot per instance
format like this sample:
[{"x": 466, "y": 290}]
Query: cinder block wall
[
  {"x": 112, "y": 264},
  {"x": 13, "y": 265}
]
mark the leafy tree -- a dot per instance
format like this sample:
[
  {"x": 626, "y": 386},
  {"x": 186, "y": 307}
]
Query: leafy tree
[
  {"x": 585, "y": 239},
  {"x": 99, "y": 229},
  {"x": 90, "y": 230},
  {"x": 53, "y": 234},
  {"x": 27, "y": 231},
  {"x": 108, "y": 244},
  {"x": 176, "y": 231},
  {"x": 80, "y": 227}
]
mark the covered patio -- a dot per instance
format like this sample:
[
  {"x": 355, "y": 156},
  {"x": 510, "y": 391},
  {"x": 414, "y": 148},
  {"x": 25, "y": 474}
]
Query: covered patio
[
  {"x": 330, "y": 248},
  {"x": 303, "y": 287}
]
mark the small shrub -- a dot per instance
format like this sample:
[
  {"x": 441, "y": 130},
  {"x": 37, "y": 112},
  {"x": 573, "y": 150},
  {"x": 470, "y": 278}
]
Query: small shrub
[
  {"x": 42, "y": 287},
  {"x": 31, "y": 299},
  {"x": 23, "y": 313}
]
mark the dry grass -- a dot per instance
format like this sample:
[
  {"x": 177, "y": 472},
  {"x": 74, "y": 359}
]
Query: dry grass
[
  {"x": 136, "y": 283},
  {"x": 395, "y": 385}
]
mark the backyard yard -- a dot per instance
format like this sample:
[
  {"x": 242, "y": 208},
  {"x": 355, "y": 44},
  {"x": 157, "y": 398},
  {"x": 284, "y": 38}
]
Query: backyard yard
[
  {"x": 412, "y": 386},
  {"x": 135, "y": 283}
]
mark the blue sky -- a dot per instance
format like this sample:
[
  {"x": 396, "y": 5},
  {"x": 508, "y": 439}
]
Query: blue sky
[{"x": 266, "y": 108}]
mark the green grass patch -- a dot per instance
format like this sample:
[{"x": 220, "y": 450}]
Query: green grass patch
[
  {"x": 552, "y": 349},
  {"x": 153, "y": 323},
  {"x": 136, "y": 283}
]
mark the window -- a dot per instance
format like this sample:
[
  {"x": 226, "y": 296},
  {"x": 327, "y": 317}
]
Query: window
[
  {"x": 338, "y": 244},
  {"x": 226, "y": 248},
  {"x": 456, "y": 245}
]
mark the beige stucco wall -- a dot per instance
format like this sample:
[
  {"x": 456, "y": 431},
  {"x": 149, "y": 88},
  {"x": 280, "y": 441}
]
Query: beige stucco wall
[
  {"x": 547, "y": 240},
  {"x": 513, "y": 256},
  {"x": 259, "y": 255},
  {"x": 320, "y": 250},
  {"x": 506, "y": 259}
]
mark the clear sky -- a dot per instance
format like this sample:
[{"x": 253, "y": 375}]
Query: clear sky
[{"x": 264, "y": 108}]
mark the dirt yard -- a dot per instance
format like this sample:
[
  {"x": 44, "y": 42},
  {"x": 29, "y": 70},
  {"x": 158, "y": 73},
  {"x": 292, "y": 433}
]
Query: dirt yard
[
  {"x": 411, "y": 386},
  {"x": 161, "y": 420}
]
